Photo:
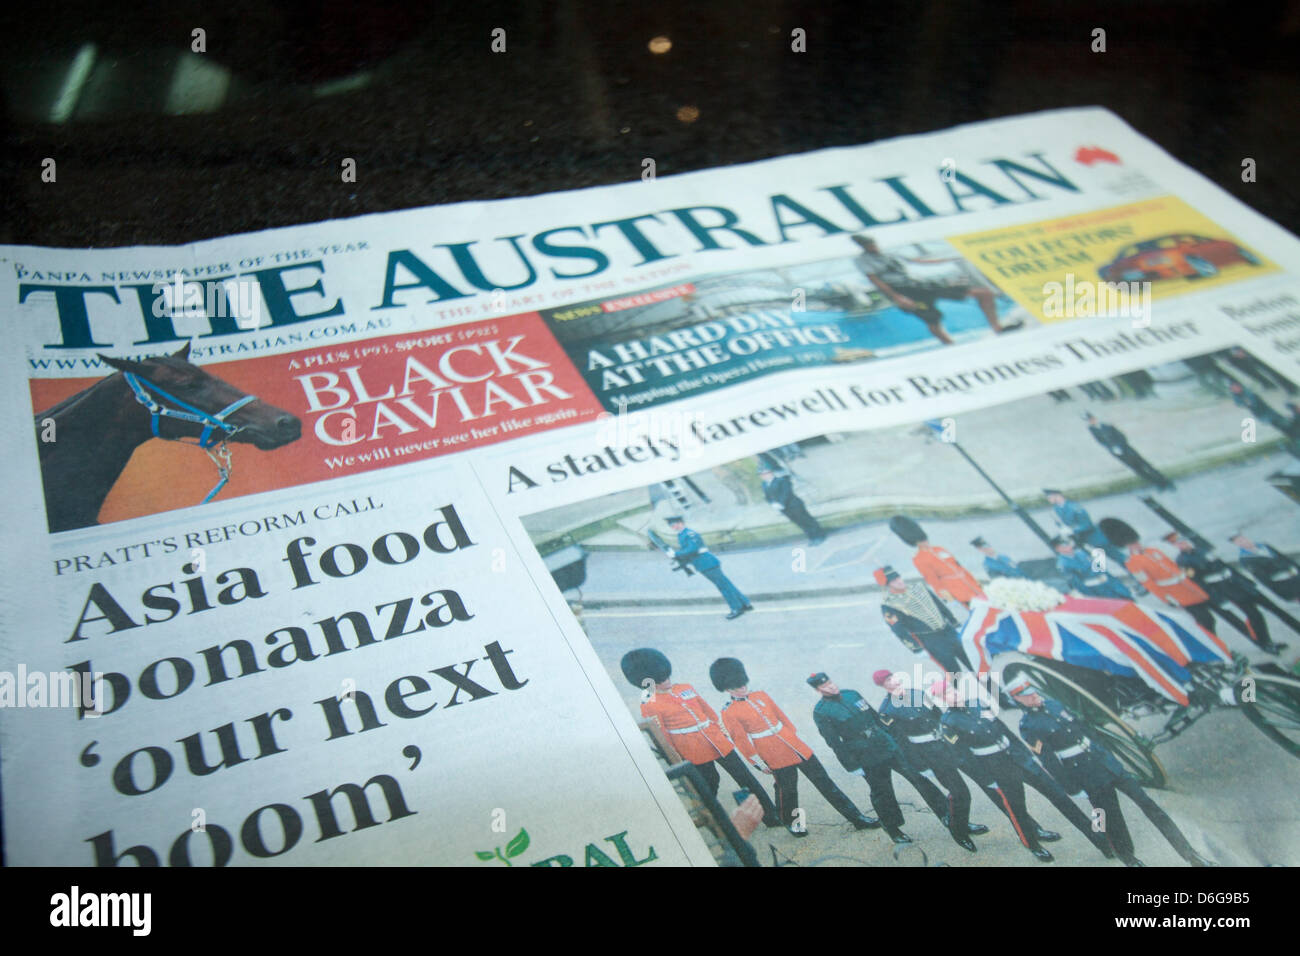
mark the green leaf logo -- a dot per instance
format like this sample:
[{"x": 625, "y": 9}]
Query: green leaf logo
[{"x": 518, "y": 844}]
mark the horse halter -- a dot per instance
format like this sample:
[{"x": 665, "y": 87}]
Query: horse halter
[{"x": 188, "y": 413}]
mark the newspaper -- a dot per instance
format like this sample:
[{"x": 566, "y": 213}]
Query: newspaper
[{"x": 509, "y": 524}]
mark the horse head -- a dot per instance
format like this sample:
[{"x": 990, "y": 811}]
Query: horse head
[{"x": 195, "y": 404}]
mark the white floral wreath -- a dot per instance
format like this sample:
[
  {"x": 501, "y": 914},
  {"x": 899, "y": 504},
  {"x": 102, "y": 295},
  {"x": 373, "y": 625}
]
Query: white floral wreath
[{"x": 1022, "y": 594}]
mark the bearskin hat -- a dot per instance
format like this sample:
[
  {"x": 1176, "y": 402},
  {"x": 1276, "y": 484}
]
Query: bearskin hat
[
  {"x": 727, "y": 672},
  {"x": 645, "y": 662},
  {"x": 907, "y": 529},
  {"x": 1119, "y": 533}
]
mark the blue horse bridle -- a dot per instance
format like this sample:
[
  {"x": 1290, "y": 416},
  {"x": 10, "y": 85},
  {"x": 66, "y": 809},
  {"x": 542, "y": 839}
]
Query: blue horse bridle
[{"x": 188, "y": 413}]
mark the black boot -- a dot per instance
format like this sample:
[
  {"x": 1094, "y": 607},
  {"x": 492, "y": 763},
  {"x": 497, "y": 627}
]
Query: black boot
[{"x": 897, "y": 835}]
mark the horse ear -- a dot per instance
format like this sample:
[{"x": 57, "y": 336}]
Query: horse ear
[
  {"x": 183, "y": 353},
  {"x": 122, "y": 365}
]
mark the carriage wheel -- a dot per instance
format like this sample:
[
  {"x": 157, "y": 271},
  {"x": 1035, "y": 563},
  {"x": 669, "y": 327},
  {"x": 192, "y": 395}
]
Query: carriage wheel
[
  {"x": 1129, "y": 747},
  {"x": 1275, "y": 709}
]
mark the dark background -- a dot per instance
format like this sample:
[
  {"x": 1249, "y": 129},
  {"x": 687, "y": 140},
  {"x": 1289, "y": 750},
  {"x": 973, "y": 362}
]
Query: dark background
[{"x": 578, "y": 99}]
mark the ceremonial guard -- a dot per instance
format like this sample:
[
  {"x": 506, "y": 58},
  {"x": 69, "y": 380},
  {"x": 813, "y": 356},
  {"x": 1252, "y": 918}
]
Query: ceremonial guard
[
  {"x": 1076, "y": 520},
  {"x": 862, "y": 745},
  {"x": 691, "y": 549},
  {"x": 767, "y": 738},
  {"x": 914, "y": 726},
  {"x": 1076, "y": 566},
  {"x": 983, "y": 746},
  {"x": 691, "y": 724},
  {"x": 1226, "y": 585},
  {"x": 1259, "y": 371},
  {"x": 1156, "y": 572},
  {"x": 997, "y": 565},
  {"x": 1259, "y": 408},
  {"x": 778, "y": 489},
  {"x": 921, "y": 621},
  {"x": 1003, "y": 766},
  {"x": 1115, "y": 442},
  {"x": 1270, "y": 567},
  {"x": 940, "y": 569},
  {"x": 1081, "y": 764}
]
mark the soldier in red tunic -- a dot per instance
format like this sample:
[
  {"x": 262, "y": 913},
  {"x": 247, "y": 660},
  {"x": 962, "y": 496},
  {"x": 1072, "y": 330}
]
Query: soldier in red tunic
[
  {"x": 1159, "y": 574},
  {"x": 941, "y": 571},
  {"x": 767, "y": 738},
  {"x": 691, "y": 725}
]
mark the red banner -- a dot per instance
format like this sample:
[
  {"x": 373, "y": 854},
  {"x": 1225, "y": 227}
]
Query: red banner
[{"x": 363, "y": 405}]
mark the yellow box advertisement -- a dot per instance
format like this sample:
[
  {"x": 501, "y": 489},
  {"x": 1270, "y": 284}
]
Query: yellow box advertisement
[{"x": 1056, "y": 268}]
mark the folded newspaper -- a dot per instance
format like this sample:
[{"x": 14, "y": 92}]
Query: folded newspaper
[{"x": 894, "y": 505}]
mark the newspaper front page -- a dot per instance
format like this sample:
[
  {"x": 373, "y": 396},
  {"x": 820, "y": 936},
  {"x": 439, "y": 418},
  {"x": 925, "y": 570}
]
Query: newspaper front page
[{"x": 902, "y": 504}]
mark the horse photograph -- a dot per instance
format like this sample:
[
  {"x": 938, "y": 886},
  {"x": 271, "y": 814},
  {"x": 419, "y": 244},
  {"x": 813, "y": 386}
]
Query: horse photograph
[{"x": 87, "y": 440}]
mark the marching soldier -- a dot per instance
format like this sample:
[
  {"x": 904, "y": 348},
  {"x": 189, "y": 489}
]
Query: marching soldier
[
  {"x": 863, "y": 747},
  {"x": 1162, "y": 578},
  {"x": 940, "y": 569},
  {"x": 921, "y": 621},
  {"x": 1077, "y": 568},
  {"x": 983, "y": 747},
  {"x": 1270, "y": 567},
  {"x": 691, "y": 548},
  {"x": 1259, "y": 371},
  {"x": 1293, "y": 419},
  {"x": 1115, "y": 442},
  {"x": 1245, "y": 398},
  {"x": 914, "y": 725},
  {"x": 691, "y": 724},
  {"x": 1225, "y": 585},
  {"x": 1003, "y": 766},
  {"x": 767, "y": 738},
  {"x": 995, "y": 564},
  {"x": 1075, "y": 518},
  {"x": 1081, "y": 764},
  {"x": 779, "y": 491}
]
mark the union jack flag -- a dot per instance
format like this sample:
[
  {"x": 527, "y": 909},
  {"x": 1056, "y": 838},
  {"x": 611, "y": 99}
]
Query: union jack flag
[{"x": 1117, "y": 637}]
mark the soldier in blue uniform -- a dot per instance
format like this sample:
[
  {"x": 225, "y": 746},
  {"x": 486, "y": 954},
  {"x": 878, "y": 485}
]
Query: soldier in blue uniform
[
  {"x": 914, "y": 726},
  {"x": 691, "y": 548},
  {"x": 1115, "y": 442},
  {"x": 1086, "y": 534},
  {"x": 991, "y": 750},
  {"x": 1226, "y": 585},
  {"x": 863, "y": 747},
  {"x": 1082, "y": 764},
  {"x": 778, "y": 489},
  {"x": 1270, "y": 567},
  {"x": 983, "y": 746},
  {"x": 1077, "y": 568},
  {"x": 1259, "y": 408},
  {"x": 997, "y": 565}
]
